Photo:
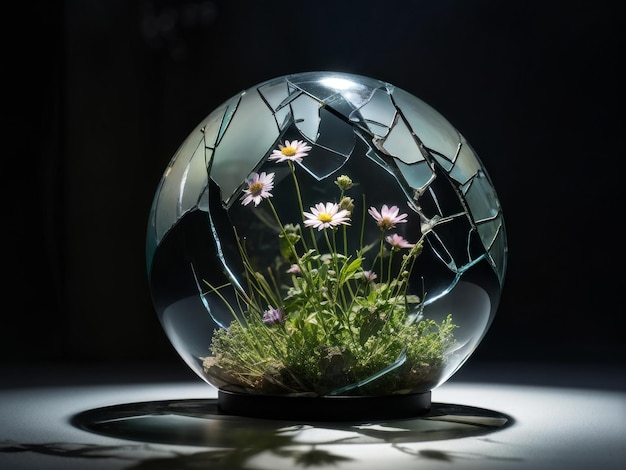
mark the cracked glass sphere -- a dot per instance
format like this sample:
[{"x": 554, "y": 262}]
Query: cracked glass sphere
[{"x": 325, "y": 234}]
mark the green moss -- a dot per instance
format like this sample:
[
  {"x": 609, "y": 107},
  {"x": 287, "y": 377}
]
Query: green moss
[{"x": 284, "y": 362}]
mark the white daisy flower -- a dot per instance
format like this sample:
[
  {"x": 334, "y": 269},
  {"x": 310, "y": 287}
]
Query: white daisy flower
[
  {"x": 294, "y": 151},
  {"x": 326, "y": 216}
]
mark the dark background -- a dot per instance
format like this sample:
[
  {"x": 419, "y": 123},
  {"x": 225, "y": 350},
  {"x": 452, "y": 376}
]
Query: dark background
[{"x": 99, "y": 94}]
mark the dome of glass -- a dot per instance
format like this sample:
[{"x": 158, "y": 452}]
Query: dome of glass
[{"x": 325, "y": 234}]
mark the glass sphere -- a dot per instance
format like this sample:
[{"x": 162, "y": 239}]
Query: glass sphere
[{"x": 325, "y": 234}]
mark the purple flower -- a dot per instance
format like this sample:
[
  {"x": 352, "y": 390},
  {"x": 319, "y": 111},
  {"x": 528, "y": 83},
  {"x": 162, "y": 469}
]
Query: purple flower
[{"x": 273, "y": 316}]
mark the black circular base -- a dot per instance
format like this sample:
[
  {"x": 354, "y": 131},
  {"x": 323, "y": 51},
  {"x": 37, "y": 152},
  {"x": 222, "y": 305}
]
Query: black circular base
[{"x": 326, "y": 408}]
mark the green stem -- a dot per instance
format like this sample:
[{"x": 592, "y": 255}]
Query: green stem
[
  {"x": 410, "y": 258},
  {"x": 223, "y": 299},
  {"x": 305, "y": 272},
  {"x": 258, "y": 285},
  {"x": 344, "y": 228},
  {"x": 380, "y": 255},
  {"x": 389, "y": 264},
  {"x": 292, "y": 169},
  {"x": 362, "y": 224}
]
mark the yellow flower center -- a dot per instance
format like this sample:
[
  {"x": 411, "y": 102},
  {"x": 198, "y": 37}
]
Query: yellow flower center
[
  {"x": 256, "y": 188},
  {"x": 288, "y": 151},
  {"x": 325, "y": 217}
]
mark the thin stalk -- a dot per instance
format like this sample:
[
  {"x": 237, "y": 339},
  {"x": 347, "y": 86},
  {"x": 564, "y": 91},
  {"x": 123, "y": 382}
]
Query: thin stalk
[
  {"x": 223, "y": 299},
  {"x": 380, "y": 255},
  {"x": 292, "y": 169},
  {"x": 389, "y": 265}
]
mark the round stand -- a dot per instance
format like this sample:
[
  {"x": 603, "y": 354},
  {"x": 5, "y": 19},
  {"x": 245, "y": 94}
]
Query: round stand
[{"x": 327, "y": 408}]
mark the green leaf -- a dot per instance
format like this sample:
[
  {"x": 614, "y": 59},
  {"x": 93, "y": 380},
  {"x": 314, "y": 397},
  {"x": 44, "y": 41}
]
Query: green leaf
[
  {"x": 308, "y": 255},
  {"x": 370, "y": 328},
  {"x": 367, "y": 248},
  {"x": 347, "y": 270},
  {"x": 322, "y": 272},
  {"x": 312, "y": 318},
  {"x": 286, "y": 242}
]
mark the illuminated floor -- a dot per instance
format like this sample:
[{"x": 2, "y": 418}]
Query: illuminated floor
[{"x": 477, "y": 424}]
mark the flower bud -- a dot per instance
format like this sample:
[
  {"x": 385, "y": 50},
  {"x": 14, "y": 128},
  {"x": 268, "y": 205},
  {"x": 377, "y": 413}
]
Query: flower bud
[
  {"x": 347, "y": 203},
  {"x": 344, "y": 182}
]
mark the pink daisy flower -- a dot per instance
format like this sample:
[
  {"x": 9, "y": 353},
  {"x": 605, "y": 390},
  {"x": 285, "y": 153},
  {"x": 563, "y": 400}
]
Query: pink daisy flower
[
  {"x": 294, "y": 151},
  {"x": 369, "y": 276},
  {"x": 294, "y": 269},
  {"x": 259, "y": 187},
  {"x": 397, "y": 242},
  {"x": 388, "y": 217},
  {"x": 326, "y": 216}
]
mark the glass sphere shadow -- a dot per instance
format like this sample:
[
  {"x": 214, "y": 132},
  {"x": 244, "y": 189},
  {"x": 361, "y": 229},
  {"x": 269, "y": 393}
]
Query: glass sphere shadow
[{"x": 199, "y": 422}]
